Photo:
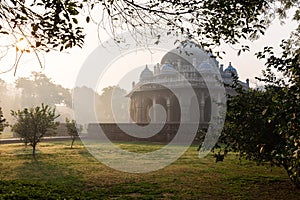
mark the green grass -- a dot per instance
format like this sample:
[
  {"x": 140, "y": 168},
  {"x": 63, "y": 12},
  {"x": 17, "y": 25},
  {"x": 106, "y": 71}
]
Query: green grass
[{"x": 64, "y": 173}]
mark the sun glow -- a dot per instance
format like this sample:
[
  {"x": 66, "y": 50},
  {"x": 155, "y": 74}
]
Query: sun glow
[{"x": 22, "y": 45}]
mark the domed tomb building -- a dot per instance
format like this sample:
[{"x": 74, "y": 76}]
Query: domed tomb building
[{"x": 183, "y": 67}]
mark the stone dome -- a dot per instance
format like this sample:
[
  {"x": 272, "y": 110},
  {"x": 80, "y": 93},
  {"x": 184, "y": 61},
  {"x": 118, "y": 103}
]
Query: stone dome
[
  {"x": 167, "y": 69},
  {"x": 146, "y": 74},
  {"x": 187, "y": 53},
  {"x": 230, "y": 70},
  {"x": 205, "y": 67}
]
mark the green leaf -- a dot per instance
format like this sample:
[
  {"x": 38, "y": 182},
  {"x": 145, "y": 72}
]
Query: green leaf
[
  {"x": 37, "y": 44},
  {"x": 75, "y": 20},
  {"x": 87, "y": 19}
]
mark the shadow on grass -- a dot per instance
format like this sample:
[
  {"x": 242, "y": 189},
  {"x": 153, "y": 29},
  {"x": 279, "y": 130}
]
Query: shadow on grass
[
  {"x": 46, "y": 171},
  {"x": 64, "y": 173},
  {"x": 43, "y": 179}
]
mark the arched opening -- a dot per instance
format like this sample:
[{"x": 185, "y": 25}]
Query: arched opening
[
  {"x": 133, "y": 109},
  {"x": 163, "y": 102},
  {"x": 175, "y": 110},
  {"x": 207, "y": 109},
  {"x": 147, "y": 104},
  {"x": 194, "y": 113}
]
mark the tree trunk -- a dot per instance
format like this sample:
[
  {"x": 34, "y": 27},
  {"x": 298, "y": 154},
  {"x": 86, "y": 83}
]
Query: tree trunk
[
  {"x": 73, "y": 139},
  {"x": 33, "y": 150}
]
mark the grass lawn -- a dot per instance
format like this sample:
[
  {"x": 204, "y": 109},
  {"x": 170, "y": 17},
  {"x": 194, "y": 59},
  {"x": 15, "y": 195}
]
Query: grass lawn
[{"x": 64, "y": 173}]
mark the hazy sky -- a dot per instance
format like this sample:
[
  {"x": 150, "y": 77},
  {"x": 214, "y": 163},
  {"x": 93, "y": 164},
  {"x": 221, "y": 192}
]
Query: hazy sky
[{"x": 63, "y": 68}]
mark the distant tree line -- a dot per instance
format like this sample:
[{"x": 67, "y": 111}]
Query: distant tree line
[{"x": 38, "y": 89}]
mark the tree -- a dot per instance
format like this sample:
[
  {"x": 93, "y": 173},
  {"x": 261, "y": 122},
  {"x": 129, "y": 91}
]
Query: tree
[
  {"x": 39, "y": 26},
  {"x": 263, "y": 126},
  {"x": 44, "y": 24},
  {"x": 10, "y": 99},
  {"x": 285, "y": 105},
  {"x": 80, "y": 94},
  {"x": 3, "y": 123},
  {"x": 113, "y": 101},
  {"x": 206, "y": 22},
  {"x": 73, "y": 130},
  {"x": 40, "y": 89},
  {"x": 34, "y": 123},
  {"x": 57, "y": 25}
]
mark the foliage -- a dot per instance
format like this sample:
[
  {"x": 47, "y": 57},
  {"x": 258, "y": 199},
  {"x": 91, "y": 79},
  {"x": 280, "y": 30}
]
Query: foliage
[
  {"x": 196, "y": 19},
  {"x": 80, "y": 95},
  {"x": 263, "y": 126},
  {"x": 112, "y": 101},
  {"x": 57, "y": 25},
  {"x": 3, "y": 123},
  {"x": 41, "y": 89},
  {"x": 73, "y": 129},
  {"x": 34, "y": 123},
  {"x": 113, "y": 105},
  {"x": 43, "y": 24},
  {"x": 286, "y": 103},
  {"x": 10, "y": 99},
  {"x": 38, "y": 26},
  {"x": 206, "y": 22}
]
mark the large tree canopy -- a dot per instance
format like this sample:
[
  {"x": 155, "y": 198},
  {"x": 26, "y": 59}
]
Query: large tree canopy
[
  {"x": 57, "y": 24},
  {"x": 40, "y": 89},
  {"x": 264, "y": 125},
  {"x": 3, "y": 123},
  {"x": 44, "y": 24},
  {"x": 112, "y": 105}
]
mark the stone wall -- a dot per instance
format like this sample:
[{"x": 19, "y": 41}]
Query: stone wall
[
  {"x": 114, "y": 133},
  {"x": 62, "y": 130}
]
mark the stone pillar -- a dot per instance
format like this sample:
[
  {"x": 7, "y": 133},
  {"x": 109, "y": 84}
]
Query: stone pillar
[
  {"x": 157, "y": 68},
  {"x": 201, "y": 101},
  {"x": 168, "y": 110},
  {"x": 179, "y": 64},
  {"x": 218, "y": 103},
  {"x": 185, "y": 102},
  {"x": 139, "y": 111},
  {"x": 214, "y": 104},
  {"x": 154, "y": 109},
  {"x": 195, "y": 62},
  {"x": 131, "y": 112},
  {"x": 221, "y": 68}
]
